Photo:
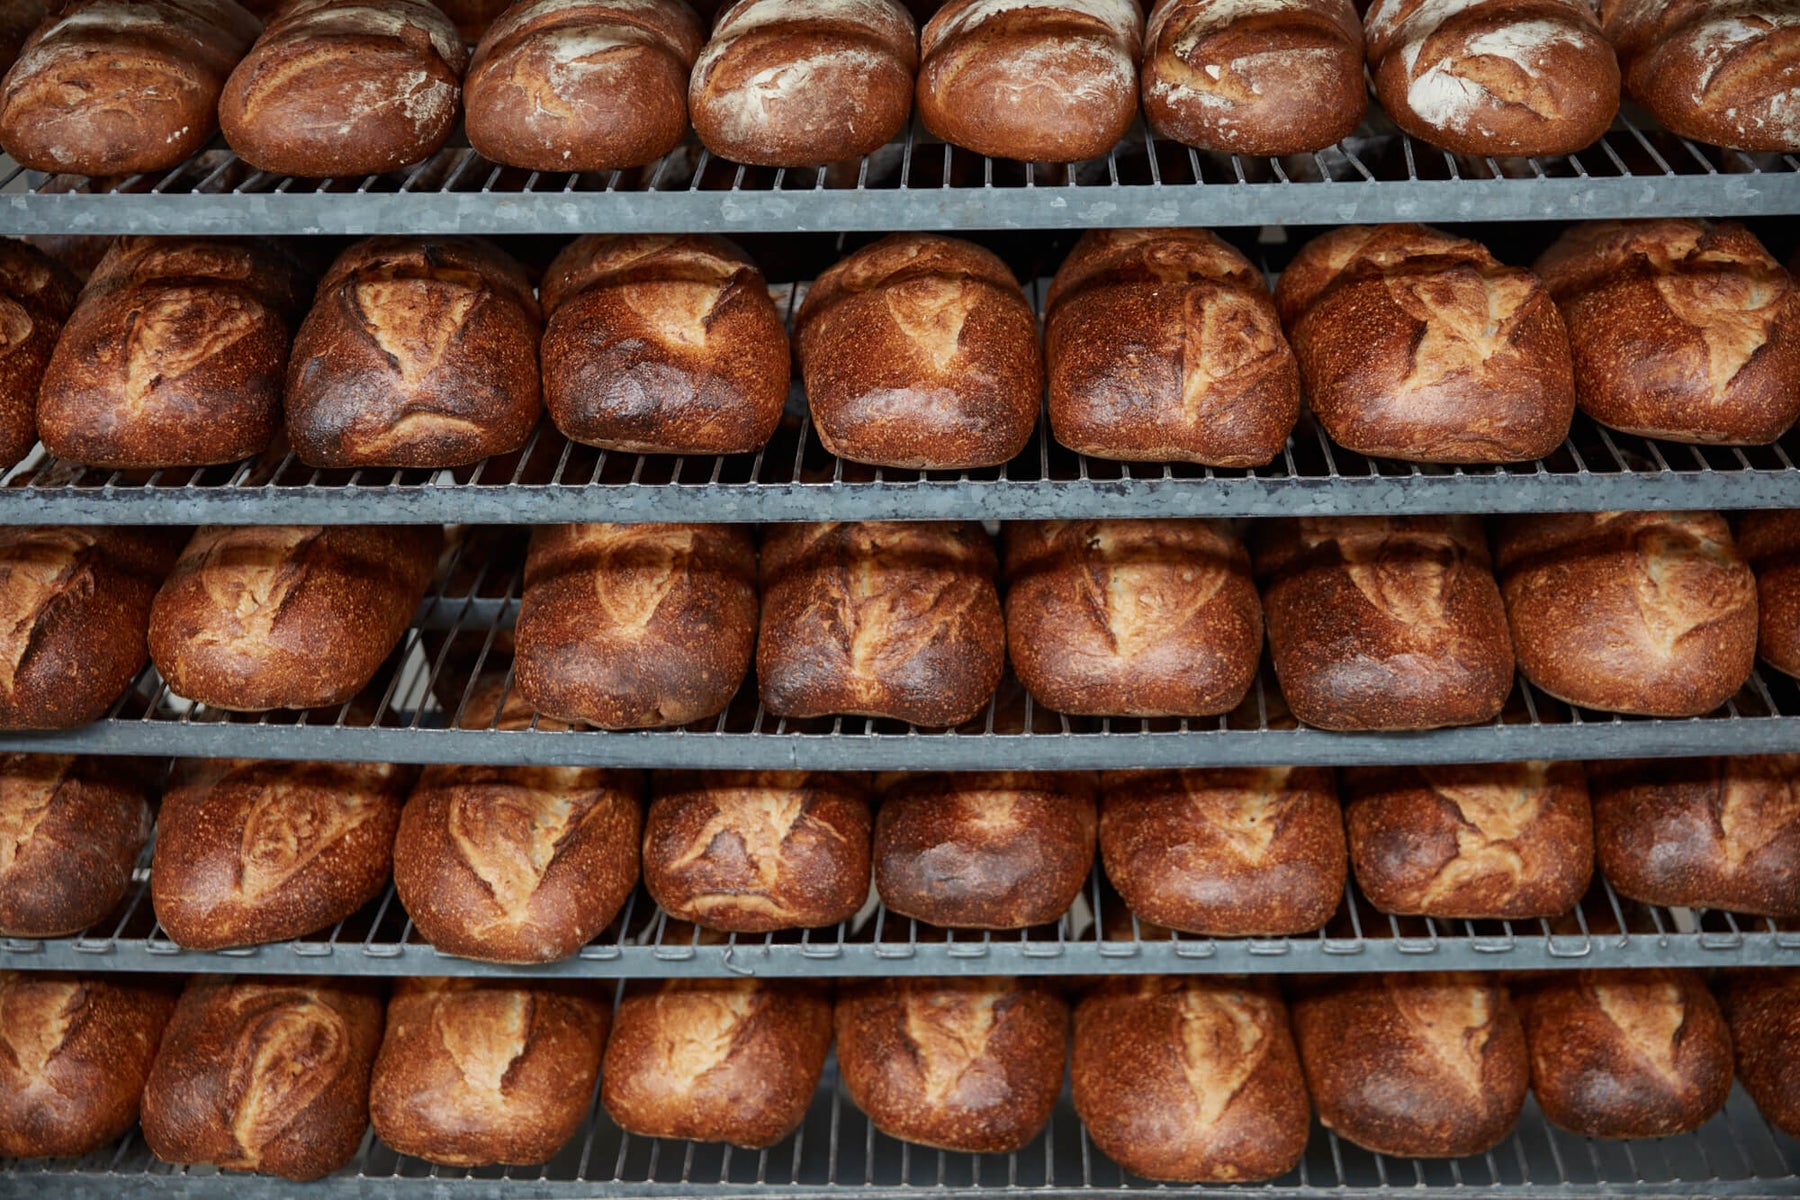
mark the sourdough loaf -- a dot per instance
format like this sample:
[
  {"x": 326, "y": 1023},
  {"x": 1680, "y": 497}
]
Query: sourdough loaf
[
  {"x": 418, "y": 352},
  {"x": 1762, "y": 1012},
  {"x": 1162, "y": 345},
  {"x": 1770, "y": 542},
  {"x": 71, "y": 830},
  {"x": 37, "y": 293},
  {"x": 663, "y": 345}
]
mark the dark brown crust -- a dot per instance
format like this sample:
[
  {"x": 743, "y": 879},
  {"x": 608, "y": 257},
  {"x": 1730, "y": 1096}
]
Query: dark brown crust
[
  {"x": 473, "y": 1072},
  {"x": 1496, "y": 841},
  {"x": 1703, "y": 832},
  {"x": 757, "y": 851},
  {"x": 1770, "y": 543},
  {"x": 1626, "y": 1054},
  {"x": 37, "y": 293},
  {"x": 1190, "y": 1080},
  {"x": 1647, "y": 613},
  {"x": 969, "y": 1065},
  {"x": 716, "y": 1060},
  {"x": 1131, "y": 618},
  {"x": 1253, "y": 852},
  {"x": 71, "y": 830},
  {"x": 892, "y": 619},
  {"x": 984, "y": 850},
  {"x": 1385, "y": 623},
  {"x": 1762, "y": 1010},
  {"x": 636, "y": 626},
  {"x": 264, "y": 1074},
  {"x": 418, "y": 352}
]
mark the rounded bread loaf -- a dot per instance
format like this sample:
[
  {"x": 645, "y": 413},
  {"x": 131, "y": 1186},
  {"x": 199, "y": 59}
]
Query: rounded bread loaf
[
  {"x": 593, "y": 85},
  {"x": 1646, "y": 613},
  {"x": 1162, "y": 345},
  {"x": 920, "y": 351},
  {"x": 799, "y": 83},
  {"x": 1762, "y": 1012},
  {"x": 71, "y": 831},
  {"x": 1037, "y": 80},
  {"x": 1770, "y": 542},
  {"x": 663, "y": 345},
  {"x": 1261, "y": 77},
  {"x": 37, "y": 294}
]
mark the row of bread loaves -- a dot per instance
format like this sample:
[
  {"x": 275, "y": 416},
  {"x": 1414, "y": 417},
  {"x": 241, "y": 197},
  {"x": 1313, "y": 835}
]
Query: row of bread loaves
[{"x": 1178, "y": 1079}]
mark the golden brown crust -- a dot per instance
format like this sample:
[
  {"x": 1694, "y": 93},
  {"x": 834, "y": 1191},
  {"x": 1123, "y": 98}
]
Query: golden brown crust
[
  {"x": 1703, "y": 832},
  {"x": 663, "y": 345},
  {"x": 970, "y": 1065},
  {"x": 37, "y": 293},
  {"x": 1131, "y": 618},
  {"x": 1385, "y": 622},
  {"x": 250, "y": 852},
  {"x": 635, "y": 626},
  {"x": 757, "y": 851},
  {"x": 473, "y": 1072},
  {"x": 1680, "y": 329},
  {"x": 1647, "y": 613},
  {"x": 1770, "y": 543},
  {"x": 920, "y": 351},
  {"x": 1762, "y": 1011},
  {"x": 71, "y": 830},
  {"x": 1252, "y": 852},
  {"x": 716, "y": 1060},
  {"x": 1494, "y": 841},
  {"x": 173, "y": 356},
  {"x": 288, "y": 616},
  {"x": 1190, "y": 1080},
  {"x": 1421, "y": 346},
  {"x": 891, "y": 619},
  {"x": 1626, "y": 1054},
  {"x": 1414, "y": 1065},
  {"x": 418, "y": 352},
  {"x": 995, "y": 850},
  {"x": 264, "y": 1074},
  {"x": 1163, "y": 345}
]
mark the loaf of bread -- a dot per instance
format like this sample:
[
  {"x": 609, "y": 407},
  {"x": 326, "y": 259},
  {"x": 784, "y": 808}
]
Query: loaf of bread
[
  {"x": 920, "y": 351},
  {"x": 756, "y": 851},
  {"x": 1494, "y": 77},
  {"x": 1423, "y": 1065},
  {"x": 37, "y": 294},
  {"x": 1044, "y": 81},
  {"x": 262, "y": 1073},
  {"x": 995, "y": 850},
  {"x": 345, "y": 88},
  {"x": 74, "y": 1053},
  {"x": 663, "y": 345},
  {"x": 633, "y": 626},
  {"x": 969, "y": 1064},
  {"x": 1702, "y": 832},
  {"x": 1762, "y": 1012},
  {"x": 1420, "y": 346},
  {"x": 173, "y": 356},
  {"x": 116, "y": 87},
  {"x": 1770, "y": 542},
  {"x": 1680, "y": 329},
  {"x": 250, "y": 851},
  {"x": 1385, "y": 622},
  {"x": 890, "y": 619},
  {"x": 288, "y": 616},
  {"x": 1712, "y": 70},
  {"x": 797, "y": 83},
  {"x": 74, "y": 604},
  {"x": 596, "y": 85},
  {"x": 1493, "y": 841},
  {"x": 716, "y": 1060},
  {"x": 418, "y": 352},
  {"x": 1162, "y": 345},
  {"x": 1626, "y": 1054},
  {"x": 1190, "y": 1079},
  {"x": 1243, "y": 852},
  {"x": 71, "y": 830},
  {"x": 473, "y": 1072},
  {"x": 1648, "y": 613},
  {"x": 516, "y": 864},
  {"x": 1273, "y": 77},
  {"x": 1131, "y": 618}
]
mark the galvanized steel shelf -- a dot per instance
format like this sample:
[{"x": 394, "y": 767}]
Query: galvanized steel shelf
[{"x": 1378, "y": 174}]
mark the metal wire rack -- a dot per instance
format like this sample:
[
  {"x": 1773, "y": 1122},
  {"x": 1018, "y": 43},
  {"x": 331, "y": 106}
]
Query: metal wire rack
[
  {"x": 837, "y": 1151},
  {"x": 1377, "y": 174}
]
